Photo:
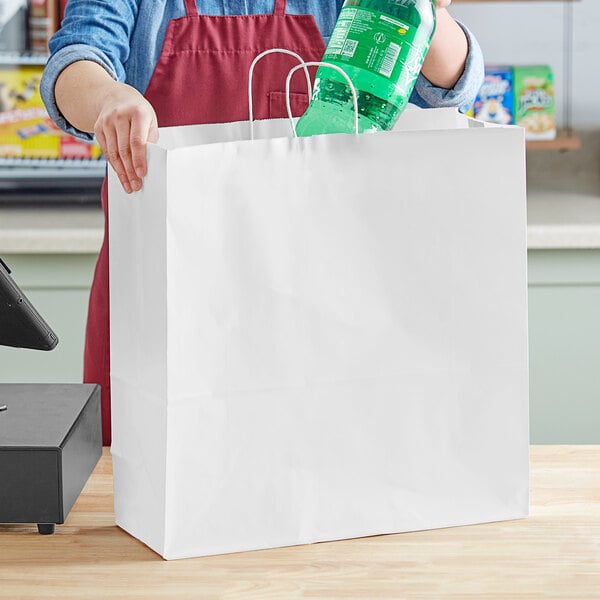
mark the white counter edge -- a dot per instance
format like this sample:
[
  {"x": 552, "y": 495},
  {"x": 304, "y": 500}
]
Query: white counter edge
[
  {"x": 563, "y": 237},
  {"x": 88, "y": 241},
  {"x": 56, "y": 241}
]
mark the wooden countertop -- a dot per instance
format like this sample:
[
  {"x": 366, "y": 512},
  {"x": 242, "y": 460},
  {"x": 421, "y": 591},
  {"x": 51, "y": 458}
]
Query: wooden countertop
[{"x": 555, "y": 553}]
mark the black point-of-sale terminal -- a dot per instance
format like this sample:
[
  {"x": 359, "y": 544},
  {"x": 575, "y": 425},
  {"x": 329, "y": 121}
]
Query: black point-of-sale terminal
[{"x": 50, "y": 434}]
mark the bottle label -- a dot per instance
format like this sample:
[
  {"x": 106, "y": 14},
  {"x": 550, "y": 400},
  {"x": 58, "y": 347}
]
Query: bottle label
[{"x": 379, "y": 43}]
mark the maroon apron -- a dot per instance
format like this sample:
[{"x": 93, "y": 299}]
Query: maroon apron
[{"x": 202, "y": 77}]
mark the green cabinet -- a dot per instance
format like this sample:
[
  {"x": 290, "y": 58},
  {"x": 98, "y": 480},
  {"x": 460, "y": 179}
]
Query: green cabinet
[
  {"x": 564, "y": 335},
  {"x": 564, "y": 346},
  {"x": 58, "y": 286}
]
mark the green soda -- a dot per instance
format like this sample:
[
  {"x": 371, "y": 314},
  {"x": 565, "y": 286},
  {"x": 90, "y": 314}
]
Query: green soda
[{"x": 381, "y": 46}]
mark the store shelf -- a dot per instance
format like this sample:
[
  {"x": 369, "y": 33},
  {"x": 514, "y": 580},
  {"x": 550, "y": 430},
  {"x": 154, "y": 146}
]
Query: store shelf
[
  {"x": 62, "y": 181},
  {"x": 12, "y": 58},
  {"x": 32, "y": 168},
  {"x": 565, "y": 140}
]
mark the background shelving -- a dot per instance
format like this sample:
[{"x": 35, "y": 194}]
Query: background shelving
[
  {"x": 566, "y": 138},
  {"x": 10, "y": 58}
]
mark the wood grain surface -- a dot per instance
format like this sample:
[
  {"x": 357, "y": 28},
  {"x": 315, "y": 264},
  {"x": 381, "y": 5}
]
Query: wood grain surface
[{"x": 555, "y": 553}]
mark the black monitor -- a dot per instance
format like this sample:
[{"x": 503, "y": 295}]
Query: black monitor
[{"x": 21, "y": 326}]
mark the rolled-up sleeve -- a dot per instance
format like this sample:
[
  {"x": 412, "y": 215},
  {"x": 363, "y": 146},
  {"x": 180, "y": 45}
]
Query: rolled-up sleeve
[
  {"x": 95, "y": 30},
  {"x": 462, "y": 95}
]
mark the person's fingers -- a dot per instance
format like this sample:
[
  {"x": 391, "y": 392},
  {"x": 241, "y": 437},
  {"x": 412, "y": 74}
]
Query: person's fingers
[
  {"x": 107, "y": 138},
  {"x": 123, "y": 133},
  {"x": 100, "y": 138},
  {"x": 140, "y": 133},
  {"x": 126, "y": 122},
  {"x": 153, "y": 135}
]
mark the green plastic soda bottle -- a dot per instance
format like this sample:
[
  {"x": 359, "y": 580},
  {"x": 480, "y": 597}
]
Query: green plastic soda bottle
[{"x": 380, "y": 45}]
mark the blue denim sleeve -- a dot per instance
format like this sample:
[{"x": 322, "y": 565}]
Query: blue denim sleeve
[
  {"x": 462, "y": 95},
  {"x": 95, "y": 30}
]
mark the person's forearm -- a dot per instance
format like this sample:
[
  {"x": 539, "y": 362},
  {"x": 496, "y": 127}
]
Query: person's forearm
[
  {"x": 80, "y": 91},
  {"x": 445, "y": 60},
  {"x": 122, "y": 120}
]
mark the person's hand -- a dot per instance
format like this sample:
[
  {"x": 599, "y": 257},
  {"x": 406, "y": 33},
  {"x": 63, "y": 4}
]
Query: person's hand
[
  {"x": 125, "y": 123},
  {"x": 442, "y": 3}
]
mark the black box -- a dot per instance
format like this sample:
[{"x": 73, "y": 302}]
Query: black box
[{"x": 50, "y": 442}]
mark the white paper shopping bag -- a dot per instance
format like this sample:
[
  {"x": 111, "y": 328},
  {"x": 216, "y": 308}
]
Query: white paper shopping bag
[{"x": 319, "y": 338}]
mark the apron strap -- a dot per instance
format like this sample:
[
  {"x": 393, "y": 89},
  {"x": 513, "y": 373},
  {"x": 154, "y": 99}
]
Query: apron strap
[
  {"x": 191, "y": 9},
  {"x": 279, "y": 9}
]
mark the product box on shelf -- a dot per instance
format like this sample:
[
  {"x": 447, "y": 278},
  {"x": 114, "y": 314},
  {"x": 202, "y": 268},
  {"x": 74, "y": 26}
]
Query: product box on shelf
[
  {"x": 534, "y": 101},
  {"x": 43, "y": 23},
  {"x": 519, "y": 95},
  {"x": 495, "y": 100},
  {"x": 26, "y": 130}
]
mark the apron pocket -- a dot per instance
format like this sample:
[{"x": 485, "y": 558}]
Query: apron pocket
[{"x": 277, "y": 109}]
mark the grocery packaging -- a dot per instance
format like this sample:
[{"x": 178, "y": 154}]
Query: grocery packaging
[
  {"x": 26, "y": 130},
  {"x": 380, "y": 45},
  {"x": 495, "y": 100},
  {"x": 534, "y": 101}
]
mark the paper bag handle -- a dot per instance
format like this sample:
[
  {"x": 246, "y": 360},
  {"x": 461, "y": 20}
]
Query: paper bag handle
[
  {"x": 319, "y": 64},
  {"x": 251, "y": 72}
]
